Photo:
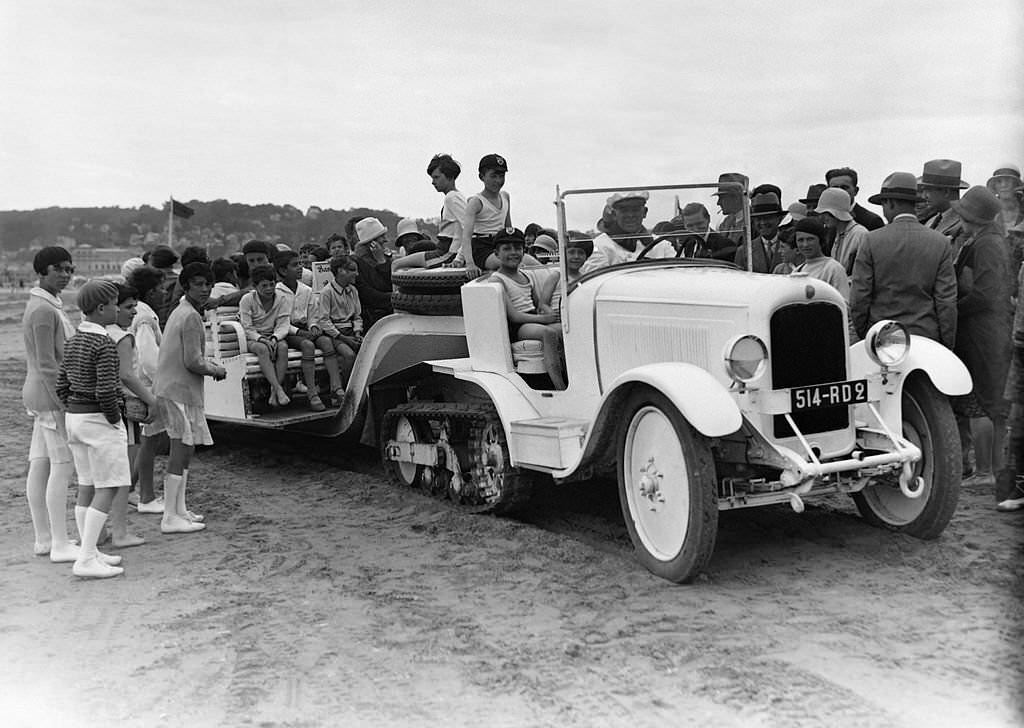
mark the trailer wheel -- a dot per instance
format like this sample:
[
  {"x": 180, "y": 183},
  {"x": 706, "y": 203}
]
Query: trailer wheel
[
  {"x": 928, "y": 422},
  {"x": 443, "y": 304},
  {"x": 400, "y": 428},
  {"x": 666, "y": 488}
]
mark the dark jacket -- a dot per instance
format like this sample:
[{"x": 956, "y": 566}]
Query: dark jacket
[
  {"x": 904, "y": 271},
  {"x": 374, "y": 287},
  {"x": 983, "y": 308}
]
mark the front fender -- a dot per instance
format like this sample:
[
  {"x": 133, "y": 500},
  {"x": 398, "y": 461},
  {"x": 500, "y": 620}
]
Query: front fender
[
  {"x": 699, "y": 397},
  {"x": 943, "y": 367}
]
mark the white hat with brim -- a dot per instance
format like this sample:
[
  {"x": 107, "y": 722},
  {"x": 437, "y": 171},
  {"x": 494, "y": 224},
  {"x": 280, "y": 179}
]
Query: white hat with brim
[
  {"x": 642, "y": 195},
  {"x": 836, "y": 202},
  {"x": 369, "y": 228},
  {"x": 408, "y": 226}
]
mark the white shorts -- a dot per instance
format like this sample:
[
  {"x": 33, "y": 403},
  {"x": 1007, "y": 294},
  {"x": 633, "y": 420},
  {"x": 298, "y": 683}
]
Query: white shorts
[
  {"x": 49, "y": 438},
  {"x": 100, "y": 450}
]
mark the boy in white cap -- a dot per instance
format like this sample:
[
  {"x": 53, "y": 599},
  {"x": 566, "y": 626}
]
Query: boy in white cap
[{"x": 89, "y": 386}]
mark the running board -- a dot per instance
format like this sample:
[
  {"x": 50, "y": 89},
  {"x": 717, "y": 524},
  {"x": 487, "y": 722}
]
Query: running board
[{"x": 550, "y": 443}]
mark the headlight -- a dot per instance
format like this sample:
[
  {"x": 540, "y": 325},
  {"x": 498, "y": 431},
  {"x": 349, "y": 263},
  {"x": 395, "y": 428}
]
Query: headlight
[
  {"x": 888, "y": 343},
  {"x": 745, "y": 358}
]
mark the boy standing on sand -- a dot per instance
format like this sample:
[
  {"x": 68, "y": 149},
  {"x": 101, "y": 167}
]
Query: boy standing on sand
[{"x": 89, "y": 386}]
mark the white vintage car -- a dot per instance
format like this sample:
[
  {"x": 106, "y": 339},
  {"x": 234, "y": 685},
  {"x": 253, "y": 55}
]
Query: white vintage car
[{"x": 704, "y": 387}]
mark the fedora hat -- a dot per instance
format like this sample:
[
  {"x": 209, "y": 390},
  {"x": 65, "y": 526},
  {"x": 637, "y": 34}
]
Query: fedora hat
[
  {"x": 766, "y": 203},
  {"x": 733, "y": 178},
  {"x": 1005, "y": 171},
  {"x": 766, "y": 187},
  {"x": 943, "y": 173},
  {"x": 813, "y": 195},
  {"x": 836, "y": 202},
  {"x": 977, "y": 205},
  {"x": 898, "y": 186},
  {"x": 369, "y": 228}
]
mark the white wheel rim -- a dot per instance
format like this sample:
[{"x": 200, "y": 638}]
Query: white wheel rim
[
  {"x": 657, "y": 483},
  {"x": 404, "y": 432}
]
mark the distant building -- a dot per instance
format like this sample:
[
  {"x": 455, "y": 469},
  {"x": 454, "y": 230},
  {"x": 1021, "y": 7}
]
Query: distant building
[{"x": 93, "y": 262}]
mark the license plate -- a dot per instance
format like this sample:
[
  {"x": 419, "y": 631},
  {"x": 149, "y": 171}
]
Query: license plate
[{"x": 828, "y": 395}]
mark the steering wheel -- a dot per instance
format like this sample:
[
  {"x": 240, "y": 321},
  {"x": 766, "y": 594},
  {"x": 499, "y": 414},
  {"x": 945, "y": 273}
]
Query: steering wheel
[{"x": 647, "y": 248}]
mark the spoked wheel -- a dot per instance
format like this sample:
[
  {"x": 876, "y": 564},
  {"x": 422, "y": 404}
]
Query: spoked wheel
[
  {"x": 929, "y": 424},
  {"x": 404, "y": 429},
  {"x": 666, "y": 488}
]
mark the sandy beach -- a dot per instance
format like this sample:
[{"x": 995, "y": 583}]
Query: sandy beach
[{"x": 322, "y": 595}]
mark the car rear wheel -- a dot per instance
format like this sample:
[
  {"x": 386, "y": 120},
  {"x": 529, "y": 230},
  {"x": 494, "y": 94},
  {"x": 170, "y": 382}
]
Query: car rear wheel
[
  {"x": 666, "y": 488},
  {"x": 928, "y": 423}
]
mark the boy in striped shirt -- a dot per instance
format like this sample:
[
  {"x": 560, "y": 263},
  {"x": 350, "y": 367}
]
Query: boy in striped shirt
[{"x": 89, "y": 387}]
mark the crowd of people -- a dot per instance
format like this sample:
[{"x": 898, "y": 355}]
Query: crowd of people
[{"x": 944, "y": 262}]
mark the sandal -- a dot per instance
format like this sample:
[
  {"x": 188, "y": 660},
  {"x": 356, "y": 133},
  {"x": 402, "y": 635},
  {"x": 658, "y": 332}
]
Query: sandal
[{"x": 316, "y": 404}]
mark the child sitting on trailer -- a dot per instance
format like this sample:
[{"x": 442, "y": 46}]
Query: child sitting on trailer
[
  {"x": 265, "y": 315},
  {"x": 340, "y": 315},
  {"x": 305, "y": 333},
  {"x": 527, "y": 296}
]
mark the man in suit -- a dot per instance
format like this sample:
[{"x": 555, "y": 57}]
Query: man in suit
[
  {"x": 904, "y": 271},
  {"x": 846, "y": 179},
  {"x": 766, "y": 214},
  {"x": 940, "y": 185}
]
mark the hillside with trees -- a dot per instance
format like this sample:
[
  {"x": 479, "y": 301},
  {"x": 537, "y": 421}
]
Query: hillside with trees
[{"x": 219, "y": 225}]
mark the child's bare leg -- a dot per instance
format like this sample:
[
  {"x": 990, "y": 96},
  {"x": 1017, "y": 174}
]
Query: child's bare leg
[
  {"x": 346, "y": 359},
  {"x": 281, "y": 363},
  {"x": 550, "y": 336},
  {"x": 269, "y": 370},
  {"x": 326, "y": 345},
  {"x": 119, "y": 521}
]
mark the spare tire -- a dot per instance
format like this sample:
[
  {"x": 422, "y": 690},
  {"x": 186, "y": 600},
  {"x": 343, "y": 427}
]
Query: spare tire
[
  {"x": 430, "y": 280},
  {"x": 435, "y": 304}
]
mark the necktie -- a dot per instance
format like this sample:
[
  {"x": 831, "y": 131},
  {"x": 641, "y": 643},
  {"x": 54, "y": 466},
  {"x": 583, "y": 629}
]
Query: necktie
[{"x": 936, "y": 221}]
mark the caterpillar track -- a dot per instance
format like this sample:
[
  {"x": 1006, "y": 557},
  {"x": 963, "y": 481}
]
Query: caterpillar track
[{"x": 472, "y": 467}]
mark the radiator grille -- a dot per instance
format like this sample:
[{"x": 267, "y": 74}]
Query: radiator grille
[{"x": 808, "y": 346}]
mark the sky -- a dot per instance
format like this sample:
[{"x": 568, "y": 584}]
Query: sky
[{"x": 341, "y": 104}]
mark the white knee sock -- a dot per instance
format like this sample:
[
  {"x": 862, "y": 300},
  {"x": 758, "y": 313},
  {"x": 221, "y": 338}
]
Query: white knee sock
[
  {"x": 35, "y": 490},
  {"x": 57, "y": 501},
  {"x": 80, "y": 522},
  {"x": 92, "y": 527},
  {"x": 172, "y": 495},
  {"x": 182, "y": 508}
]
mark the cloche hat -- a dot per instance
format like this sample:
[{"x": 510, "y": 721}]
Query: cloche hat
[
  {"x": 836, "y": 202},
  {"x": 977, "y": 205}
]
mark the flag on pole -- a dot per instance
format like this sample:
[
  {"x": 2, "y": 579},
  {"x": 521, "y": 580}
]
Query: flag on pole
[{"x": 180, "y": 209}]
